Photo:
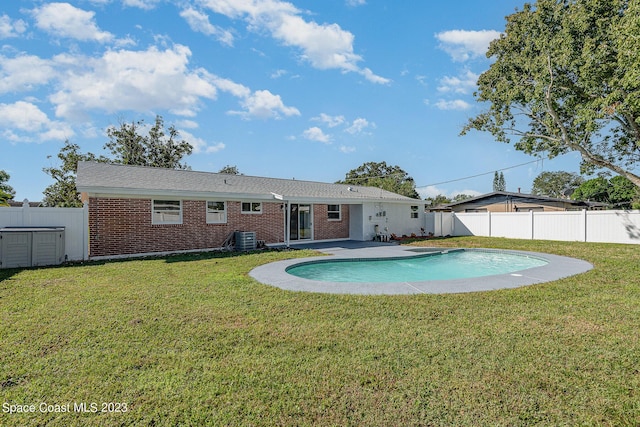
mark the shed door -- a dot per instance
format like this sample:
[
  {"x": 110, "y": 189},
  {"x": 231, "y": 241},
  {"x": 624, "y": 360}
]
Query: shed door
[
  {"x": 46, "y": 248},
  {"x": 16, "y": 249}
]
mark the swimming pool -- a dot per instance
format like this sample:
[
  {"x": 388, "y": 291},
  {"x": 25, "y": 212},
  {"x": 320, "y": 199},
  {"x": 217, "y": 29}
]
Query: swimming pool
[
  {"x": 277, "y": 273},
  {"x": 445, "y": 265}
]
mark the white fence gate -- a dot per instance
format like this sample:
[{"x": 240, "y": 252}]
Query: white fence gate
[
  {"x": 584, "y": 226},
  {"x": 74, "y": 220}
]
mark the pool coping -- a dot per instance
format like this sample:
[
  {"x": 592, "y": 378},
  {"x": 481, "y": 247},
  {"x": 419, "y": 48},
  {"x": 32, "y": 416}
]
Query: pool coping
[{"x": 274, "y": 273}]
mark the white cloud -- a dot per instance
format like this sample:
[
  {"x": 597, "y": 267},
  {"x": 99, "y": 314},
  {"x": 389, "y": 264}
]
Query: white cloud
[
  {"x": 324, "y": 46},
  {"x": 316, "y": 134},
  {"x": 188, "y": 124},
  {"x": 463, "y": 45},
  {"x": 149, "y": 80},
  {"x": 369, "y": 75},
  {"x": 345, "y": 149},
  {"x": 331, "y": 121},
  {"x": 9, "y": 28},
  {"x": 462, "y": 84},
  {"x": 200, "y": 22},
  {"x": 429, "y": 191},
  {"x": 22, "y": 119},
  {"x": 199, "y": 144},
  {"x": 215, "y": 148},
  {"x": 24, "y": 73},
  {"x": 359, "y": 125},
  {"x": 278, "y": 73},
  {"x": 235, "y": 89},
  {"x": 131, "y": 80},
  {"x": 142, "y": 4},
  {"x": 265, "y": 105},
  {"x": 354, "y": 3},
  {"x": 65, "y": 20},
  {"x": 456, "y": 104}
]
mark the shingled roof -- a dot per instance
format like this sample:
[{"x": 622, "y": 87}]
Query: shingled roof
[{"x": 114, "y": 179}]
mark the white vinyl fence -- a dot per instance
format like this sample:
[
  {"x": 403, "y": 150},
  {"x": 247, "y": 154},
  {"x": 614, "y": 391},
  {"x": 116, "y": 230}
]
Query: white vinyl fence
[
  {"x": 74, "y": 220},
  {"x": 583, "y": 226}
]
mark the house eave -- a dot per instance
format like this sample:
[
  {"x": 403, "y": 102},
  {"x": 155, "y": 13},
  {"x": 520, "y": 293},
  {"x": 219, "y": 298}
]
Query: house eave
[{"x": 112, "y": 192}]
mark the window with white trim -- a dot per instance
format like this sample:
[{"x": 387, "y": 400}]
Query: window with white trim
[
  {"x": 216, "y": 212},
  {"x": 334, "y": 213},
  {"x": 414, "y": 212},
  {"x": 166, "y": 212},
  {"x": 251, "y": 207}
]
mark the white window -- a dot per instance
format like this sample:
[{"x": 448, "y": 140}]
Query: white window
[
  {"x": 166, "y": 212},
  {"x": 251, "y": 207},
  {"x": 333, "y": 212},
  {"x": 216, "y": 212},
  {"x": 414, "y": 212}
]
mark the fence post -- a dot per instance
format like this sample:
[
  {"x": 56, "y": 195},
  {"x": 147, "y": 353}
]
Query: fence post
[
  {"x": 532, "y": 222},
  {"x": 24, "y": 213},
  {"x": 85, "y": 230},
  {"x": 584, "y": 225},
  {"x": 452, "y": 229},
  {"x": 489, "y": 219}
]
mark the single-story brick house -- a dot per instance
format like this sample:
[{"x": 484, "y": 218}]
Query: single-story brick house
[{"x": 137, "y": 210}]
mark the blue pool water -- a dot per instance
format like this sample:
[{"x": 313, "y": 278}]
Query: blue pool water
[{"x": 459, "y": 264}]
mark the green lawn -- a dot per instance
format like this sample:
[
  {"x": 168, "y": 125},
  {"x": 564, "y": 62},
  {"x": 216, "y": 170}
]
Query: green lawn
[{"x": 193, "y": 340}]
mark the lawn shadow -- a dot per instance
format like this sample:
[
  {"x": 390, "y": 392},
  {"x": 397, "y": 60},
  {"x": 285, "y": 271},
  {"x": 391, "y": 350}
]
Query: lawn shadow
[{"x": 7, "y": 273}]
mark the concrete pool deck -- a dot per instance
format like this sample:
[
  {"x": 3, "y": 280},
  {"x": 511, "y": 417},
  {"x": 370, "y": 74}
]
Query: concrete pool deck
[{"x": 275, "y": 274}]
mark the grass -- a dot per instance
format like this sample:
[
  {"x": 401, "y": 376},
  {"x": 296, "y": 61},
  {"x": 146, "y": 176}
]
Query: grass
[{"x": 193, "y": 340}]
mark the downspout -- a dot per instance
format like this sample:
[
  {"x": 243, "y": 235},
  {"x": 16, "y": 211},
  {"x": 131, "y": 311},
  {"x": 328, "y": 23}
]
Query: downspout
[{"x": 287, "y": 222}]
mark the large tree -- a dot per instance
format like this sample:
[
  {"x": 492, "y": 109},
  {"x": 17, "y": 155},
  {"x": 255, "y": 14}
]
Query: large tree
[
  {"x": 130, "y": 146},
  {"x": 556, "y": 184},
  {"x": 63, "y": 193},
  {"x": 381, "y": 175},
  {"x": 566, "y": 78}
]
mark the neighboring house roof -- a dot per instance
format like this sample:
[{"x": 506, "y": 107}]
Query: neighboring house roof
[
  {"x": 114, "y": 179},
  {"x": 520, "y": 197},
  {"x": 16, "y": 204}
]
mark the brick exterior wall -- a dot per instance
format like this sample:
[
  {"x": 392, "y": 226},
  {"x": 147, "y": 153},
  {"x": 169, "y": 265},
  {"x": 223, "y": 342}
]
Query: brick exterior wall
[
  {"x": 119, "y": 226},
  {"x": 325, "y": 229}
]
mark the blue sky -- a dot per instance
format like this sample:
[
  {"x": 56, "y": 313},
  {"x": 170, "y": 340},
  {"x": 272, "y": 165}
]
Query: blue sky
[{"x": 288, "y": 89}]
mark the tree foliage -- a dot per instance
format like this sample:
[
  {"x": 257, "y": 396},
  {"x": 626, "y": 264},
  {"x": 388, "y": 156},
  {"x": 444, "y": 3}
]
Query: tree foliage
[
  {"x": 566, "y": 78},
  {"x": 381, "y": 175},
  {"x": 617, "y": 192},
  {"x": 499, "y": 184},
  {"x": 460, "y": 197},
  {"x": 129, "y": 146},
  {"x": 556, "y": 184},
  {"x": 441, "y": 199},
  {"x": 63, "y": 193},
  {"x": 438, "y": 200},
  {"x": 230, "y": 170},
  {"x": 157, "y": 149},
  {"x": 6, "y": 191}
]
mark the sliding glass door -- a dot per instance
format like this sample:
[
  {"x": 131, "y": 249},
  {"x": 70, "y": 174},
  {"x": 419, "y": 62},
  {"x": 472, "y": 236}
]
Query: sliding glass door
[{"x": 300, "y": 222}]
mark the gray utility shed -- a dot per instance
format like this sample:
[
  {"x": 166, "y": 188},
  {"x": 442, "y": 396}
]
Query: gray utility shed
[{"x": 31, "y": 246}]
